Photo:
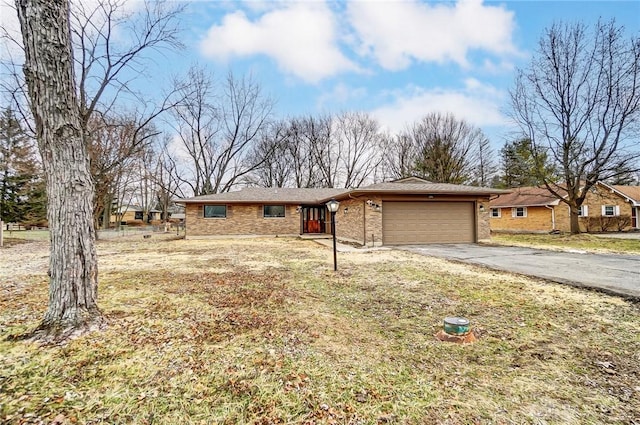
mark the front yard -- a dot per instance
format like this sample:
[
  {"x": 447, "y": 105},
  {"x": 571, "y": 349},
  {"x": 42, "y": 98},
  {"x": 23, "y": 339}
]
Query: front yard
[
  {"x": 584, "y": 241},
  {"x": 263, "y": 331}
]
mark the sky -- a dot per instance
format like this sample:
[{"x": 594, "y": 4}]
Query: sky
[{"x": 395, "y": 59}]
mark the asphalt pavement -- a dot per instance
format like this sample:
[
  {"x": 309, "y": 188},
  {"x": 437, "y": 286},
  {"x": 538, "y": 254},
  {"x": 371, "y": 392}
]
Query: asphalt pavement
[{"x": 617, "y": 274}]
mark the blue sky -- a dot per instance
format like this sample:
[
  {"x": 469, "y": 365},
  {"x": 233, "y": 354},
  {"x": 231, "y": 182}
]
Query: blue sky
[{"x": 397, "y": 60}]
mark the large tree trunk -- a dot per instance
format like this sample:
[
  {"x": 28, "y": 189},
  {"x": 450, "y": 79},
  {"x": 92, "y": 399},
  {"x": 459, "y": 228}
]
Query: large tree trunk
[
  {"x": 574, "y": 222},
  {"x": 73, "y": 263}
]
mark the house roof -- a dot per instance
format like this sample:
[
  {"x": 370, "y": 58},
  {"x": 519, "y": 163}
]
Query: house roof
[
  {"x": 525, "y": 197},
  {"x": 411, "y": 179},
  {"x": 631, "y": 192},
  {"x": 317, "y": 196},
  {"x": 253, "y": 195},
  {"x": 428, "y": 188}
]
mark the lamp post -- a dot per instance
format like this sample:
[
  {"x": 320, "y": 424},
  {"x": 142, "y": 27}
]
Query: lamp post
[{"x": 333, "y": 206}]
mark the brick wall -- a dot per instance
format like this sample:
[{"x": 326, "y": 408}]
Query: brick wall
[
  {"x": 361, "y": 223},
  {"x": 595, "y": 199},
  {"x": 483, "y": 216},
  {"x": 241, "y": 220},
  {"x": 538, "y": 219},
  {"x": 373, "y": 218}
]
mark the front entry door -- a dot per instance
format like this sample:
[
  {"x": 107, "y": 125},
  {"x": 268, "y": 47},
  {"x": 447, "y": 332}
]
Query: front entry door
[{"x": 313, "y": 219}]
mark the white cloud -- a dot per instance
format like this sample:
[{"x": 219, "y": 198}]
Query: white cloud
[
  {"x": 396, "y": 33},
  {"x": 477, "y": 103},
  {"x": 301, "y": 37},
  {"x": 340, "y": 94}
]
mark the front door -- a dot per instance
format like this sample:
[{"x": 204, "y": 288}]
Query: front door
[{"x": 313, "y": 219}]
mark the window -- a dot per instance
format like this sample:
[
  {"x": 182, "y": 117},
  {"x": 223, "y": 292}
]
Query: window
[
  {"x": 519, "y": 212},
  {"x": 273, "y": 211},
  {"x": 610, "y": 210},
  {"x": 583, "y": 211},
  {"x": 215, "y": 211},
  {"x": 138, "y": 215},
  {"x": 496, "y": 212}
]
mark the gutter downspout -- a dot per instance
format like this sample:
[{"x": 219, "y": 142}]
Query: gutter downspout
[{"x": 553, "y": 218}]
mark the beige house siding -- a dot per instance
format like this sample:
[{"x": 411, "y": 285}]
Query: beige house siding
[
  {"x": 130, "y": 217},
  {"x": 538, "y": 219},
  {"x": 596, "y": 198},
  {"x": 241, "y": 220}
]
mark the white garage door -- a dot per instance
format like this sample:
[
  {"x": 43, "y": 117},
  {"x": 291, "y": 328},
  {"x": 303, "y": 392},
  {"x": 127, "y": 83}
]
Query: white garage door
[{"x": 428, "y": 222}]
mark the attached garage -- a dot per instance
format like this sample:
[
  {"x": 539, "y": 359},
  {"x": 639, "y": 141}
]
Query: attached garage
[{"x": 406, "y": 223}]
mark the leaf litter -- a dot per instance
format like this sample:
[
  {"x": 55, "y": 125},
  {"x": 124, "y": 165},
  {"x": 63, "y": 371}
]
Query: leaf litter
[{"x": 262, "y": 331}]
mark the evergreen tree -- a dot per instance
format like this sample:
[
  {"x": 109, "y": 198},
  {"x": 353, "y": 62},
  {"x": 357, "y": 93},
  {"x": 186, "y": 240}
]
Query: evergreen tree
[
  {"x": 22, "y": 196},
  {"x": 522, "y": 165}
]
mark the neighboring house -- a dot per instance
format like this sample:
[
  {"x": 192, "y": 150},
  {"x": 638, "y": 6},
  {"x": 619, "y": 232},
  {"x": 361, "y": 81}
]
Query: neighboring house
[
  {"x": 407, "y": 211},
  {"x": 535, "y": 209},
  {"x": 133, "y": 214},
  {"x": 632, "y": 195}
]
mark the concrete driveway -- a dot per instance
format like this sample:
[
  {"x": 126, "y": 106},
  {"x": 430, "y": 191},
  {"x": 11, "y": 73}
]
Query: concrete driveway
[{"x": 613, "y": 273}]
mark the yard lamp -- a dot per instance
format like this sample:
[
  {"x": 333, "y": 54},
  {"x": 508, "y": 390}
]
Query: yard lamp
[{"x": 333, "y": 206}]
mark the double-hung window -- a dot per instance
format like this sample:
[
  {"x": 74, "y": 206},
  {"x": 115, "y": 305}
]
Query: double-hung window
[
  {"x": 496, "y": 212},
  {"x": 519, "y": 212},
  {"x": 610, "y": 210}
]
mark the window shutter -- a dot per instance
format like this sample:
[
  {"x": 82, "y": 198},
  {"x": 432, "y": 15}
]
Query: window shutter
[
  {"x": 585, "y": 210},
  {"x": 200, "y": 211},
  {"x": 260, "y": 211},
  {"x": 513, "y": 212},
  {"x": 229, "y": 211},
  {"x": 603, "y": 213},
  {"x": 617, "y": 210}
]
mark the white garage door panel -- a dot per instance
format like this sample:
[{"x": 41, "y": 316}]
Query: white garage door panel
[{"x": 428, "y": 222}]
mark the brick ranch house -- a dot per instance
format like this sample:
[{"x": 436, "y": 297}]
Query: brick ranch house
[
  {"x": 534, "y": 209},
  {"x": 406, "y": 211}
]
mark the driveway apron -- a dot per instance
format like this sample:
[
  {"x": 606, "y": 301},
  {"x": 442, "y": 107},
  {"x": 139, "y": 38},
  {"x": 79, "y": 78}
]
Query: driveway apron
[{"x": 617, "y": 274}]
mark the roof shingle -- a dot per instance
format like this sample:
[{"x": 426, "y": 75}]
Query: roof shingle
[
  {"x": 632, "y": 192},
  {"x": 525, "y": 197}
]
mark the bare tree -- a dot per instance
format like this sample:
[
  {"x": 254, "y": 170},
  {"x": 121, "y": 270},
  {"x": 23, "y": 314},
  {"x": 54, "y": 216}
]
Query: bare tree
[
  {"x": 166, "y": 175},
  {"x": 109, "y": 45},
  {"x": 317, "y": 135},
  {"x": 272, "y": 152},
  {"x": 106, "y": 66},
  {"x": 300, "y": 152},
  {"x": 400, "y": 156},
  {"x": 359, "y": 147},
  {"x": 578, "y": 101},
  {"x": 441, "y": 148},
  {"x": 115, "y": 145},
  {"x": 218, "y": 129},
  {"x": 73, "y": 266},
  {"x": 486, "y": 168}
]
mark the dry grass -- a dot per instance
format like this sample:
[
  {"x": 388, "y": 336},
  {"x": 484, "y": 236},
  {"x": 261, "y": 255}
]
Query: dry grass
[
  {"x": 264, "y": 332},
  {"x": 565, "y": 241}
]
